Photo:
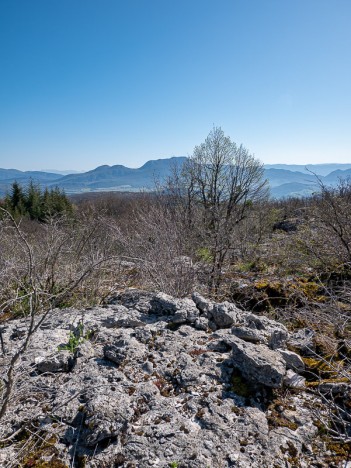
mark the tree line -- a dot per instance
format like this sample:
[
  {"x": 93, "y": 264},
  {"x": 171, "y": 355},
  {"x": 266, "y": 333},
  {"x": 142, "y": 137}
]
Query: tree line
[{"x": 35, "y": 203}]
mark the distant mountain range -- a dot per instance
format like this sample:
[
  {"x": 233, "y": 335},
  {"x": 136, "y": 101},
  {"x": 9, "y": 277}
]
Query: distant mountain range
[
  {"x": 319, "y": 169},
  {"x": 55, "y": 171},
  {"x": 285, "y": 180}
]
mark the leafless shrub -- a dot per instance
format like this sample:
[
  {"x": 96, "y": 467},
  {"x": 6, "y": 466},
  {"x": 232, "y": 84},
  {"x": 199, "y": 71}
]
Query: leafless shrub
[
  {"x": 159, "y": 244},
  {"x": 44, "y": 266},
  {"x": 327, "y": 235}
]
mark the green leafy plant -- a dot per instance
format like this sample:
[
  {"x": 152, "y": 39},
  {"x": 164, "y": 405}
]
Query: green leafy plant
[
  {"x": 72, "y": 344},
  {"x": 75, "y": 339},
  {"x": 174, "y": 464}
]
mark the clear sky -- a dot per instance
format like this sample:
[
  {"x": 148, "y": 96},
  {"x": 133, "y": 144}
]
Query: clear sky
[{"x": 91, "y": 82}]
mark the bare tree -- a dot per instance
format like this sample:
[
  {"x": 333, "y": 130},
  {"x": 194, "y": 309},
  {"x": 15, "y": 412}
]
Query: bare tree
[{"x": 220, "y": 181}]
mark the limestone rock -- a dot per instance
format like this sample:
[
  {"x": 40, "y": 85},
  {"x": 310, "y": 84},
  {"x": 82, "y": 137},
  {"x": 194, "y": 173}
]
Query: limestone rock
[
  {"x": 294, "y": 380},
  {"x": 85, "y": 350},
  {"x": 106, "y": 415},
  {"x": 292, "y": 360},
  {"x": 124, "y": 349},
  {"x": 274, "y": 334},
  {"x": 60, "y": 362},
  {"x": 224, "y": 314},
  {"x": 201, "y": 323},
  {"x": 154, "y": 386},
  {"x": 163, "y": 304},
  {"x": 201, "y": 303},
  {"x": 129, "y": 320},
  {"x": 248, "y": 334},
  {"x": 257, "y": 363},
  {"x": 134, "y": 299}
]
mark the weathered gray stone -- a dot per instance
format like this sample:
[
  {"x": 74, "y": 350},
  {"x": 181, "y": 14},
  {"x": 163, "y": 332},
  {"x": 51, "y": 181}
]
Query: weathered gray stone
[
  {"x": 126, "y": 348},
  {"x": 224, "y": 314},
  {"x": 153, "y": 395},
  {"x": 106, "y": 415},
  {"x": 133, "y": 299},
  {"x": 248, "y": 334},
  {"x": 277, "y": 338},
  {"x": 275, "y": 334},
  {"x": 192, "y": 311},
  {"x": 180, "y": 316},
  {"x": 294, "y": 380},
  {"x": 188, "y": 313},
  {"x": 163, "y": 304},
  {"x": 144, "y": 335},
  {"x": 60, "y": 362},
  {"x": 85, "y": 350},
  {"x": 129, "y": 321},
  {"x": 201, "y": 323},
  {"x": 257, "y": 363},
  {"x": 292, "y": 360},
  {"x": 148, "y": 367},
  {"x": 202, "y": 304}
]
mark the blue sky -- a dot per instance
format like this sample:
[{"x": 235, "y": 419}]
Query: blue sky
[{"x": 91, "y": 82}]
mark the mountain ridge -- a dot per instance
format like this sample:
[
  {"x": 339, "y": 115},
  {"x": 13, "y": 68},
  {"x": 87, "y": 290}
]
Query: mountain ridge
[{"x": 283, "y": 182}]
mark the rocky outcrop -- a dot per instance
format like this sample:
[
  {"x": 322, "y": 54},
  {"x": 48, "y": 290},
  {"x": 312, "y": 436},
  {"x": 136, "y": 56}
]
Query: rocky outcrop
[
  {"x": 156, "y": 381},
  {"x": 257, "y": 363}
]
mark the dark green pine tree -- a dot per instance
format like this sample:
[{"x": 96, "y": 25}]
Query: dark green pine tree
[
  {"x": 46, "y": 204},
  {"x": 15, "y": 202},
  {"x": 33, "y": 202},
  {"x": 60, "y": 204}
]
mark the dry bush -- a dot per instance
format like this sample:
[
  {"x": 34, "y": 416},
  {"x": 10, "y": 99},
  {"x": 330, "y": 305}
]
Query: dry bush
[
  {"x": 160, "y": 245},
  {"x": 252, "y": 236},
  {"x": 45, "y": 266},
  {"x": 326, "y": 238},
  {"x": 119, "y": 206},
  {"x": 63, "y": 252}
]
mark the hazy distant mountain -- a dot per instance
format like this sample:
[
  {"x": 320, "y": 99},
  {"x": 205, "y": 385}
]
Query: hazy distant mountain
[
  {"x": 283, "y": 180},
  {"x": 8, "y": 176},
  {"x": 14, "y": 174},
  {"x": 119, "y": 177},
  {"x": 278, "y": 177},
  {"x": 9, "y": 173},
  {"x": 293, "y": 189},
  {"x": 319, "y": 169},
  {"x": 55, "y": 171},
  {"x": 335, "y": 176}
]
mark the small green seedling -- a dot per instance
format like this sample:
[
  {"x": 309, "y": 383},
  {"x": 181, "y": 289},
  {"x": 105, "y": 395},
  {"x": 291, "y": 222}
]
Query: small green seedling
[{"x": 75, "y": 339}]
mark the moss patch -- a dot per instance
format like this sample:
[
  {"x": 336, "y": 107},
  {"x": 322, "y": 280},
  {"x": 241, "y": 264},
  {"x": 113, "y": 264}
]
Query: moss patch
[
  {"x": 44, "y": 456},
  {"x": 317, "y": 369},
  {"x": 316, "y": 383}
]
